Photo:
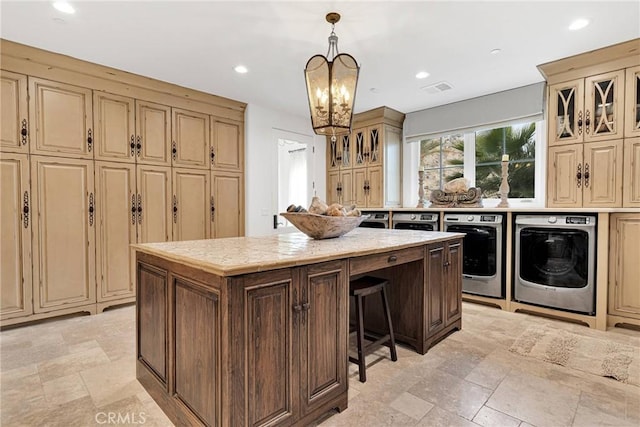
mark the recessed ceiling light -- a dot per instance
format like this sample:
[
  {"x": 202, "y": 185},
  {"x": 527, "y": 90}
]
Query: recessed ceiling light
[
  {"x": 64, "y": 7},
  {"x": 241, "y": 69},
  {"x": 495, "y": 51},
  {"x": 422, "y": 75},
  {"x": 578, "y": 24}
]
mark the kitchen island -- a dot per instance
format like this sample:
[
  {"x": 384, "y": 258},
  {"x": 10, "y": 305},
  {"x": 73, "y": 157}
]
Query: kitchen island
[{"x": 253, "y": 331}]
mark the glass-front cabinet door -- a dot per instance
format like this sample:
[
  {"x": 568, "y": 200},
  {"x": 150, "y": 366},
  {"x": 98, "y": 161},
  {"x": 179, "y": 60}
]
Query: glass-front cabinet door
[
  {"x": 603, "y": 106},
  {"x": 374, "y": 153},
  {"x": 632, "y": 102},
  {"x": 566, "y": 113},
  {"x": 344, "y": 151},
  {"x": 332, "y": 153},
  {"x": 359, "y": 141}
]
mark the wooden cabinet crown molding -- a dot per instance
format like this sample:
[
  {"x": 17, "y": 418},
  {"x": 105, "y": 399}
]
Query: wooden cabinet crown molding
[
  {"x": 29, "y": 60},
  {"x": 380, "y": 115},
  {"x": 614, "y": 57}
]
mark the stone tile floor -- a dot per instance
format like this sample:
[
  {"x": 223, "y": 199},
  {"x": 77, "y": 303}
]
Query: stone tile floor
[{"x": 80, "y": 371}]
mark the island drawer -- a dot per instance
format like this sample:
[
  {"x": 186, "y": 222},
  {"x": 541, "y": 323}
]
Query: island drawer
[{"x": 368, "y": 263}]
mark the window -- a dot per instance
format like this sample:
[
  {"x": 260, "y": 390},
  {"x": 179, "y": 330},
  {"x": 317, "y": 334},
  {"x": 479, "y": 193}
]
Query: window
[{"x": 477, "y": 157}]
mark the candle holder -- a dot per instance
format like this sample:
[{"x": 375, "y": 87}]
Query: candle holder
[
  {"x": 421, "y": 199},
  {"x": 504, "y": 186}
]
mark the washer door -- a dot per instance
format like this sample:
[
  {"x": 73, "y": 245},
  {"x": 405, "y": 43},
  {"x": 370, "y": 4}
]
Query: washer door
[
  {"x": 554, "y": 257},
  {"x": 413, "y": 226},
  {"x": 479, "y": 249}
]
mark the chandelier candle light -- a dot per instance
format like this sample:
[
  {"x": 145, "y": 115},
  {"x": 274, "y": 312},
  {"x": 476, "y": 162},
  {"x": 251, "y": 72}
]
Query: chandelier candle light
[
  {"x": 331, "y": 87},
  {"x": 504, "y": 186}
]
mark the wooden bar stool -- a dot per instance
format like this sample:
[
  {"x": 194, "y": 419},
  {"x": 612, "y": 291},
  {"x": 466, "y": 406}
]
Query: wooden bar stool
[{"x": 359, "y": 289}]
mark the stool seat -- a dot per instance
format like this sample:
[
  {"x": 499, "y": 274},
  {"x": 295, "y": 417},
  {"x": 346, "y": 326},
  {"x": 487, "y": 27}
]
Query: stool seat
[{"x": 359, "y": 288}]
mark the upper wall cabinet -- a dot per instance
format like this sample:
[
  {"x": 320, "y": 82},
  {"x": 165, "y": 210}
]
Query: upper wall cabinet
[
  {"x": 60, "y": 118},
  {"x": 227, "y": 148},
  {"x": 588, "y": 109},
  {"x": 113, "y": 118},
  {"x": 153, "y": 133},
  {"x": 14, "y": 129},
  {"x": 632, "y": 102},
  {"x": 190, "y": 145}
]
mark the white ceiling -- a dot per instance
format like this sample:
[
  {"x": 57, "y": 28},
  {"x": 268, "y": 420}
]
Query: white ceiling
[{"x": 197, "y": 43}]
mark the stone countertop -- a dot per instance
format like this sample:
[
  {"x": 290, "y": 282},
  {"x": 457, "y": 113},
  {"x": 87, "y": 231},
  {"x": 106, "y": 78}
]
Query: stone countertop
[
  {"x": 241, "y": 255},
  {"x": 519, "y": 209}
]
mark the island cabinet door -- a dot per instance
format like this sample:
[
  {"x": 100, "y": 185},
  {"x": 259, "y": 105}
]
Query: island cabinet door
[
  {"x": 436, "y": 257},
  {"x": 321, "y": 308},
  {"x": 453, "y": 275},
  {"x": 268, "y": 393}
]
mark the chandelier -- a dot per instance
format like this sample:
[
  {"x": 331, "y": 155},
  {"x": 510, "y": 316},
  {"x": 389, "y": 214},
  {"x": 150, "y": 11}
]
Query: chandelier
[{"x": 331, "y": 87}]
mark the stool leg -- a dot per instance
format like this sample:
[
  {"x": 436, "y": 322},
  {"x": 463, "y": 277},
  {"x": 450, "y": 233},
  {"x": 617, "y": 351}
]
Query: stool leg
[
  {"x": 360, "y": 337},
  {"x": 387, "y": 316}
]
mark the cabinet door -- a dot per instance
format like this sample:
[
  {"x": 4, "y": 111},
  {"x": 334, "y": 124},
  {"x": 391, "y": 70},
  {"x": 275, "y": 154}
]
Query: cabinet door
[
  {"x": 154, "y": 203},
  {"x": 323, "y": 333},
  {"x": 346, "y": 187},
  {"x": 228, "y": 144},
  {"x": 116, "y": 229},
  {"x": 632, "y": 102},
  {"x": 114, "y": 121},
  {"x": 344, "y": 151},
  {"x": 566, "y": 112},
  {"x": 60, "y": 118},
  {"x": 604, "y": 109},
  {"x": 624, "y": 268},
  {"x": 602, "y": 174},
  {"x": 191, "y": 204},
  {"x": 374, "y": 187},
  {"x": 227, "y": 204},
  {"x": 392, "y": 166},
  {"x": 359, "y": 187},
  {"x": 15, "y": 245},
  {"x": 153, "y": 133},
  {"x": 332, "y": 154},
  {"x": 631, "y": 178},
  {"x": 272, "y": 391},
  {"x": 564, "y": 186},
  {"x": 14, "y": 133},
  {"x": 360, "y": 142},
  {"x": 190, "y": 146},
  {"x": 436, "y": 257},
  {"x": 374, "y": 153},
  {"x": 453, "y": 291},
  {"x": 333, "y": 187},
  {"x": 63, "y": 233}
]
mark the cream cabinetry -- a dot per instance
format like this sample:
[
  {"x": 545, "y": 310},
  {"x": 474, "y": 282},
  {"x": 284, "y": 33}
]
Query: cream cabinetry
[
  {"x": 592, "y": 107},
  {"x": 624, "y": 268},
  {"x": 69, "y": 124},
  {"x": 116, "y": 217},
  {"x": 585, "y": 175},
  {"x": 632, "y": 102},
  {"x": 15, "y": 228},
  {"x": 64, "y": 220},
  {"x": 60, "y": 117},
  {"x": 364, "y": 167},
  {"x": 192, "y": 206},
  {"x": 14, "y": 130}
]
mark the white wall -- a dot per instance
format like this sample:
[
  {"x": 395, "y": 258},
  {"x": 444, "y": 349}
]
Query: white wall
[{"x": 262, "y": 128}]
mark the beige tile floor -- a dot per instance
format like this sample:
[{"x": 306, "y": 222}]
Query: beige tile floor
[{"x": 80, "y": 371}]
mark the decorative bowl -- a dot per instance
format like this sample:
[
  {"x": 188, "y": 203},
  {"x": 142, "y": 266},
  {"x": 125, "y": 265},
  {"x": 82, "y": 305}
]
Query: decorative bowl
[{"x": 323, "y": 226}]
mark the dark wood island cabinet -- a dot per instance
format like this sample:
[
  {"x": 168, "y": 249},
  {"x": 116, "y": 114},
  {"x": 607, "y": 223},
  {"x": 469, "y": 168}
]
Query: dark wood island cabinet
[{"x": 254, "y": 331}]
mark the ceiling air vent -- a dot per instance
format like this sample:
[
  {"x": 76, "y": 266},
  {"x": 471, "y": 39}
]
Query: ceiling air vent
[{"x": 437, "y": 88}]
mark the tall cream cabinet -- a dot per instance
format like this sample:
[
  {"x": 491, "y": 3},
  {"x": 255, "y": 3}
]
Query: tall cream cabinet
[
  {"x": 364, "y": 167},
  {"x": 93, "y": 160},
  {"x": 593, "y": 102},
  {"x": 624, "y": 269},
  {"x": 15, "y": 244}
]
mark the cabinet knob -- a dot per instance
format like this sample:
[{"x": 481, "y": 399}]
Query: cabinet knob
[
  {"x": 392, "y": 258},
  {"x": 23, "y": 132}
]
